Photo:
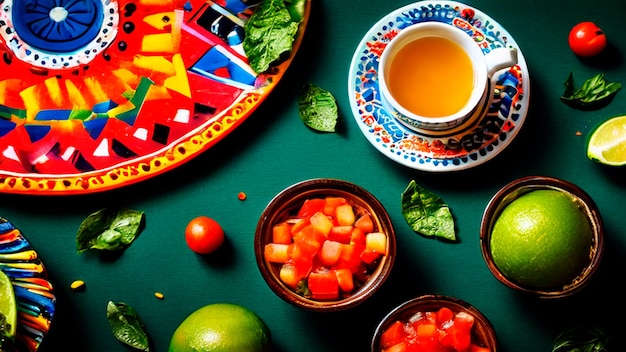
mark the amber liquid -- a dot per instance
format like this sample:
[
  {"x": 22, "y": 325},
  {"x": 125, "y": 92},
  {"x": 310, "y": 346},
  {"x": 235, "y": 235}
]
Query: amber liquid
[{"x": 431, "y": 77}]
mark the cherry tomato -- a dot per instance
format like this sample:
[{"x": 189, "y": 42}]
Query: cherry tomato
[
  {"x": 204, "y": 235},
  {"x": 587, "y": 39}
]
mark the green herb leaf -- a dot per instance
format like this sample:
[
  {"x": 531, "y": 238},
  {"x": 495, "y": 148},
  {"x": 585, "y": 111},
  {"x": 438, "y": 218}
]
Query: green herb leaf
[
  {"x": 296, "y": 9},
  {"x": 302, "y": 288},
  {"x": 109, "y": 229},
  {"x": 595, "y": 92},
  {"x": 582, "y": 340},
  {"x": 318, "y": 108},
  {"x": 127, "y": 326},
  {"x": 269, "y": 33},
  {"x": 426, "y": 213}
]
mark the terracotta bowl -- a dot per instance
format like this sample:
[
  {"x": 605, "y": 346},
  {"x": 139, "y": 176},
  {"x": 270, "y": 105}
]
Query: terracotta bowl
[
  {"x": 483, "y": 333},
  {"x": 286, "y": 204},
  {"x": 526, "y": 184}
]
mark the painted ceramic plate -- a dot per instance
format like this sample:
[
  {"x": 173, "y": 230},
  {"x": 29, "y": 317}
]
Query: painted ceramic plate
[
  {"x": 457, "y": 149},
  {"x": 98, "y": 94},
  {"x": 34, "y": 293}
]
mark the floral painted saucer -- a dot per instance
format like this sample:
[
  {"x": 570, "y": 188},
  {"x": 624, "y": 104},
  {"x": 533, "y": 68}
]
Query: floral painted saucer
[{"x": 460, "y": 148}]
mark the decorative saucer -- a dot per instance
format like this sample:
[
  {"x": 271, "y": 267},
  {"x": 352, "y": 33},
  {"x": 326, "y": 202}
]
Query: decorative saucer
[
  {"x": 466, "y": 146},
  {"x": 98, "y": 94},
  {"x": 33, "y": 292}
]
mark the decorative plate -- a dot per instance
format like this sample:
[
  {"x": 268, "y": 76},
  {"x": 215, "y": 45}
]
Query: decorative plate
[
  {"x": 456, "y": 149},
  {"x": 34, "y": 293},
  {"x": 98, "y": 94}
]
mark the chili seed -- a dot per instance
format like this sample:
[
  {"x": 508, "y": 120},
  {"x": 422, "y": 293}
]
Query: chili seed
[{"x": 78, "y": 285}]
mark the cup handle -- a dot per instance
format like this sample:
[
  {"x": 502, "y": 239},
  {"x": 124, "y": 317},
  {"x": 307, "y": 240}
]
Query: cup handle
[{"x": 500, "y": 58}]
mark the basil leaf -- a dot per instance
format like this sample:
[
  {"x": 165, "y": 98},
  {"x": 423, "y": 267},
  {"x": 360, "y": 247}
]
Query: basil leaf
[
  {"x": 269, "y": 33},
  {"x": 426, "y": 213},
  {"x": 569, "y": 87},
  {"x": 318, "y": 109},
  {"x": 302, "y": 288},
  {"x": 582, "y": 340},
  {"x": 127, "y": 326},
  {"x": 109, "y": 229},
  {"x": 594, "y": 93},
  {"x": 296, "y": 9}
]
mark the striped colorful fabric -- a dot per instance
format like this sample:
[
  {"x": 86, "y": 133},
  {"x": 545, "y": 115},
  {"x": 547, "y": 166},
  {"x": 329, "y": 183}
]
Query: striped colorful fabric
[{"x": 33, "y": 292}]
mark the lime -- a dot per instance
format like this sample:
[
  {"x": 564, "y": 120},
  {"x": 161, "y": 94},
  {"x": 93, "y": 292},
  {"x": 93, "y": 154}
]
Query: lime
[
  {"x": 607, "y": 142},
  {"x": 221, "y": 327},
  {"x": 542, "y": 239},
  {"x": 8, "y": 307}
]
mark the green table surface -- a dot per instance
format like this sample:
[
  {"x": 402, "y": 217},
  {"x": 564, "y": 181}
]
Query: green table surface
[{"x": 273, "y": 149}]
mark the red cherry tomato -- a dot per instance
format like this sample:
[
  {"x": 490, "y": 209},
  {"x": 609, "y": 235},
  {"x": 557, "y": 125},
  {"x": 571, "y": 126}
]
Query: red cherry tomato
[
  {"x": 587, "y": 39},
  {"x": 204, "y": 235}
]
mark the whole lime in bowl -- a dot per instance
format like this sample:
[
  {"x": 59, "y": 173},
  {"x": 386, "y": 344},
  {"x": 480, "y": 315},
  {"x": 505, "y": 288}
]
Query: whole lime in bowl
[{"x": 542, "y": 235}]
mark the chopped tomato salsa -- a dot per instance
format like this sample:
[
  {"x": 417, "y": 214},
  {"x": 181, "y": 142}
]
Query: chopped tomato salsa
[
  {"x": 438, "y": 331},
  {"x": 327, "y": 249}
]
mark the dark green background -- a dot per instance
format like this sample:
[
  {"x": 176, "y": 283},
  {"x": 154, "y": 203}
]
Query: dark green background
[{"x": 273, "y": 150}]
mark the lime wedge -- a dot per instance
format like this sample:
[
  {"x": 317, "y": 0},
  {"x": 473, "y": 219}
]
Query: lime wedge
[
  {"x": 8, "y": 308},
  {"x": 607, "y": 142}
]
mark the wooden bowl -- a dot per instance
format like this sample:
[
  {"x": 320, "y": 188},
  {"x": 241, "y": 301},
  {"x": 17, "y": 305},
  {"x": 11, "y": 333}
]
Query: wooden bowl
[
  {"x": 286, "y": 204},
  {"x": 526, "y": 184},
  {"x": 483, "y": 333}
]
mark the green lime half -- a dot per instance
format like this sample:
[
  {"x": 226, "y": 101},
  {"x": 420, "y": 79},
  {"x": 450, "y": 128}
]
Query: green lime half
[
  {"x": 607, "y": 142},
  {"x": 8, "y": 307}
]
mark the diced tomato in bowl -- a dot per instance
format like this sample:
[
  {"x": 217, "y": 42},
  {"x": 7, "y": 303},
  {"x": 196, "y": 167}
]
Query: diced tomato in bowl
[
  {"x": 325, "y": 244},
  {"x": 434, "y": 323}
]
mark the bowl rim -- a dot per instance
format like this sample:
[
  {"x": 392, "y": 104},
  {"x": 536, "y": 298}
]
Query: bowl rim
[
  {"x": 525, "y": 184},
  {"x": 435, "y": 300},
  {"x": 299, "y": 191}
]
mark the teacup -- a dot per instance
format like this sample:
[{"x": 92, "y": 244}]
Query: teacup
[{"x": 435, "y": 76}]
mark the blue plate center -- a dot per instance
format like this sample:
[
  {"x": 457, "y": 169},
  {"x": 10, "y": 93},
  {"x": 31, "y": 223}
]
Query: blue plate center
[{"x": 58, "y": 26}]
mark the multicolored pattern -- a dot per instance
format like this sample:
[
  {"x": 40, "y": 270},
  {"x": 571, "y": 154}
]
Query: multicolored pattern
[
  {"x": 459, "y": 148},
  {"x": 34, "y": 293},
  {"x": 97, "y": 94}
]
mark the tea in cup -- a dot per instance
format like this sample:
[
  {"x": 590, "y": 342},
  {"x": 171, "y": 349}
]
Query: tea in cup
[{"x": 434, "y": 76}]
